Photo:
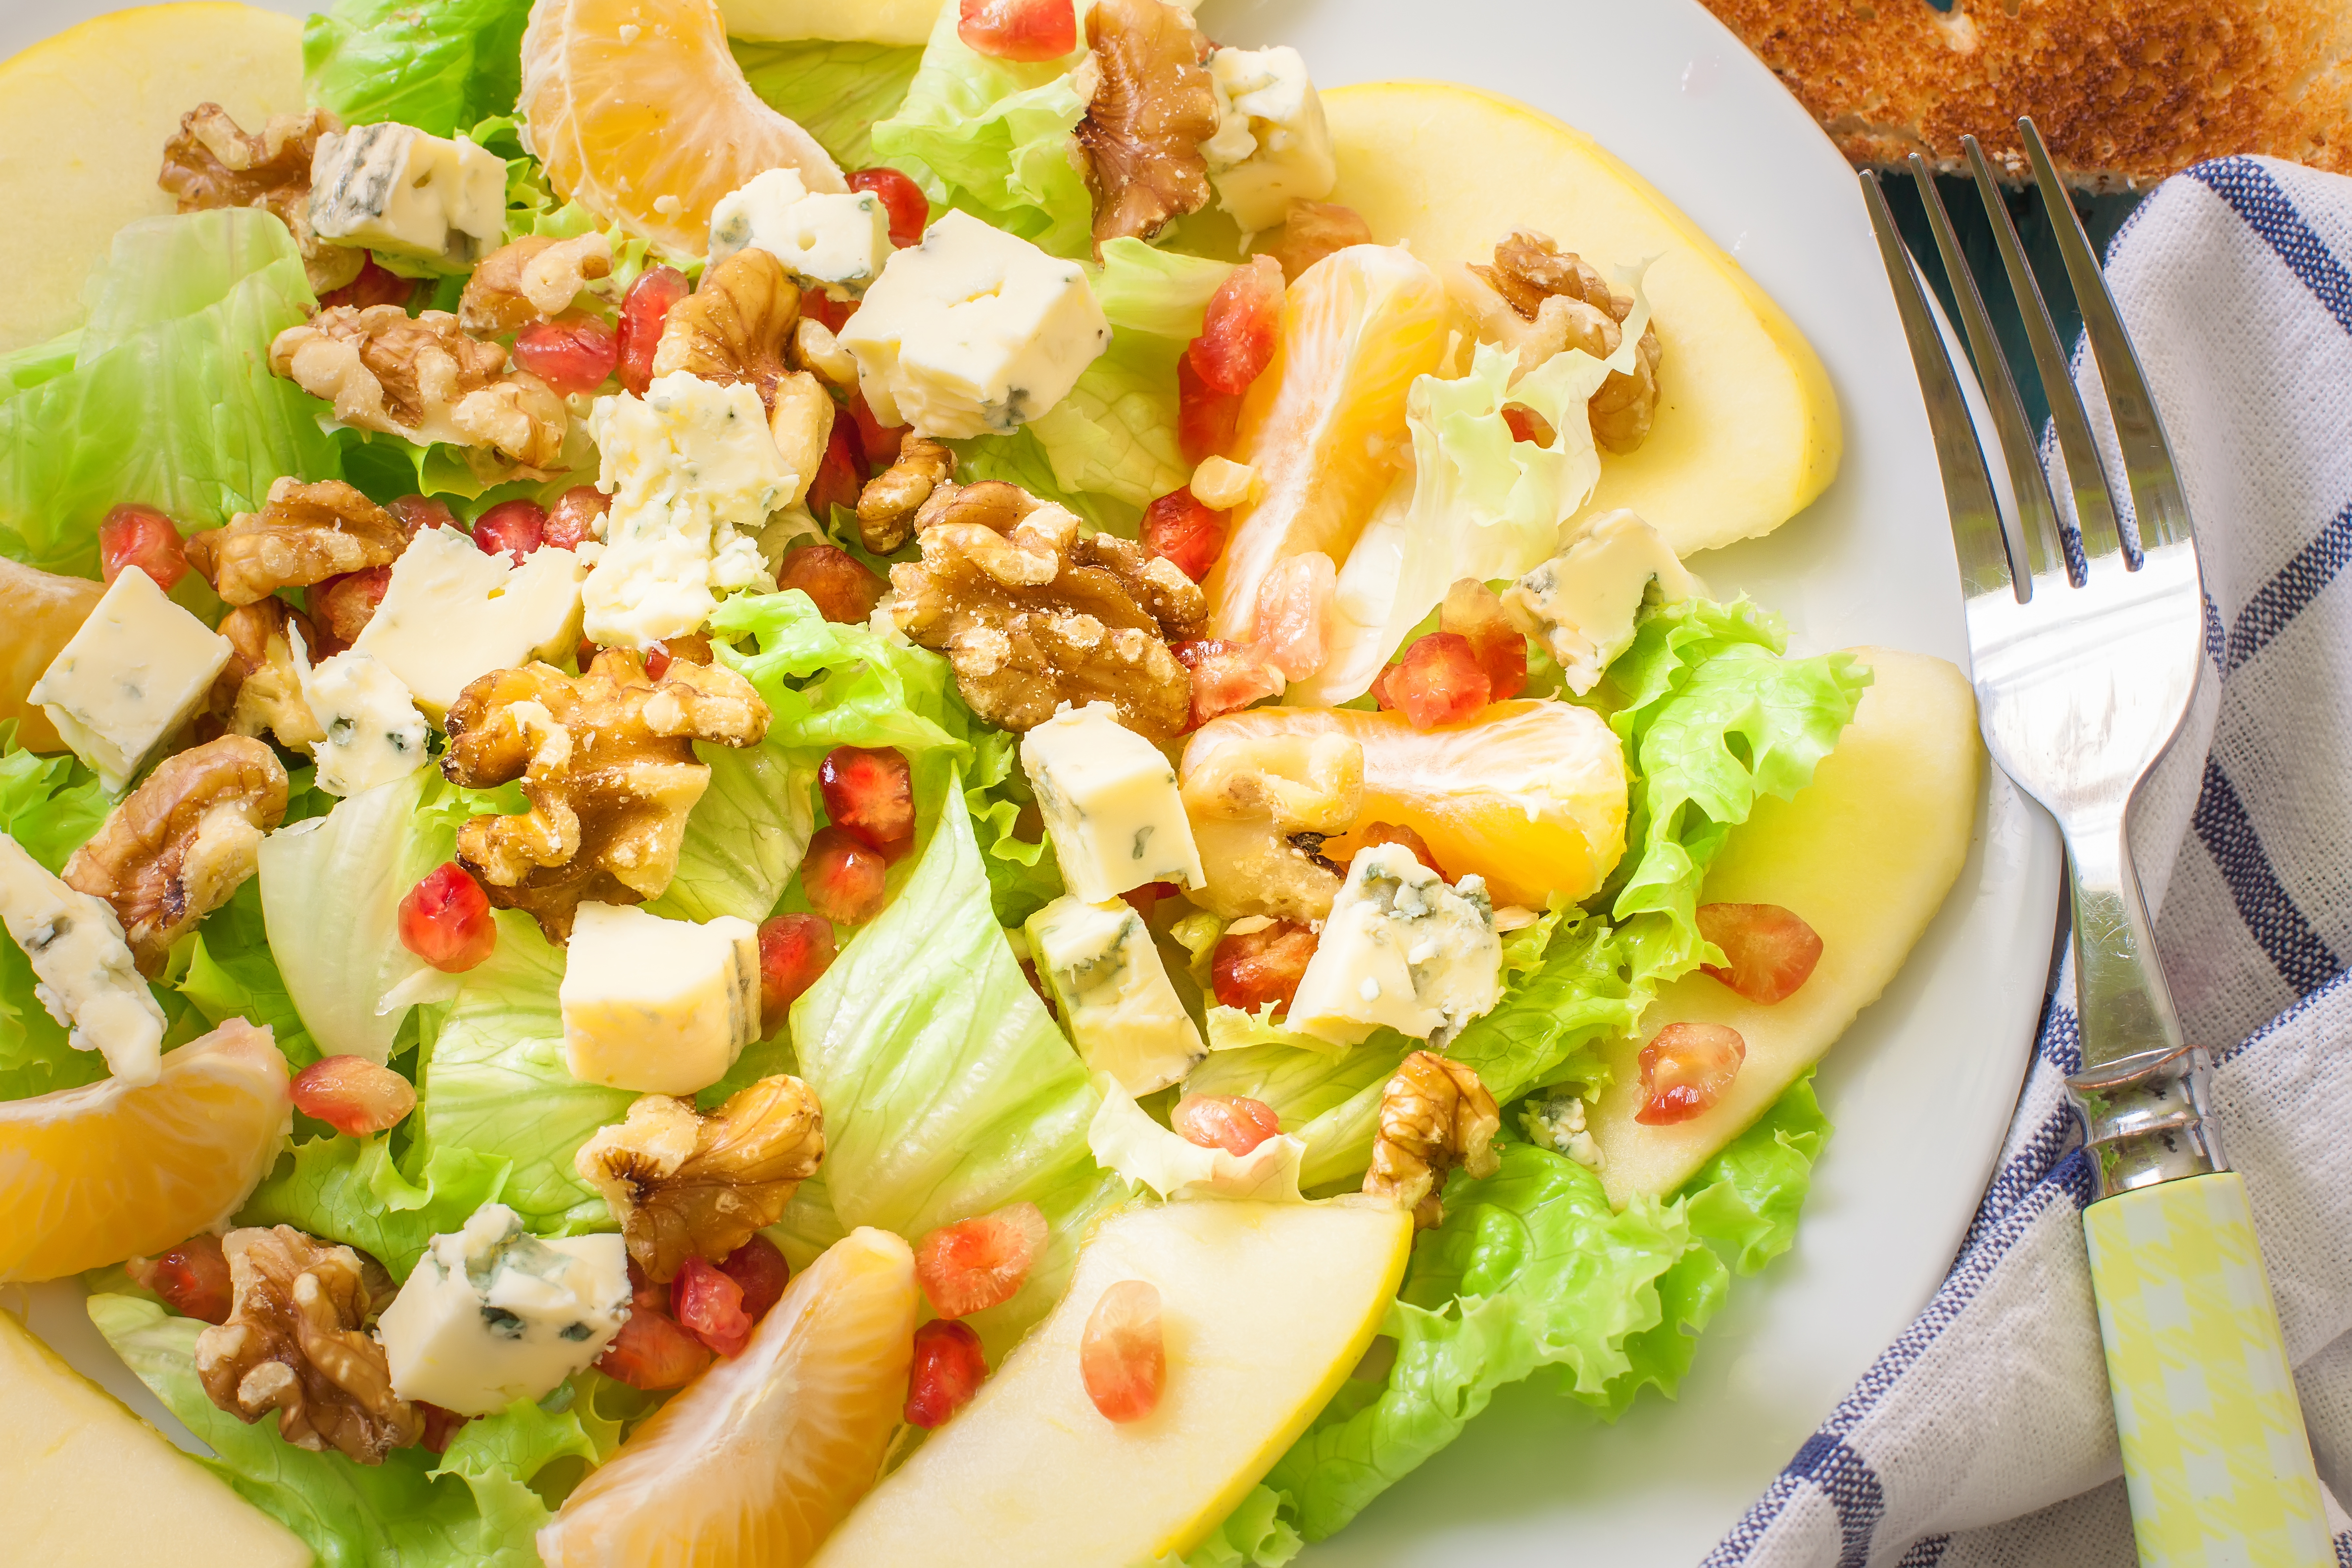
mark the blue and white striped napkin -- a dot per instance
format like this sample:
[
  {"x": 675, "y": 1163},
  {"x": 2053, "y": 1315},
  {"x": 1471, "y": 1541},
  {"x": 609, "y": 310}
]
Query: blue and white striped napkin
[{"x": 1983, "y": 1435}]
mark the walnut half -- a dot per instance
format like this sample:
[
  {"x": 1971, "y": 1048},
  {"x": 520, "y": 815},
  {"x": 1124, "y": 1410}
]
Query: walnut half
[
  {"x": 214, "y": 163},
  {"x": 421, "y": 378},
  {"x": 1152, "y": 108},
  {"x": 532, "y": 280},
  {"x": 302, "y": 534},
  {"x": 687, "y": 1186},
  {"x": 295, "y": 1342},
  {"x": 1436, "y": 1114},
  {"x": 888, "y": 506}
]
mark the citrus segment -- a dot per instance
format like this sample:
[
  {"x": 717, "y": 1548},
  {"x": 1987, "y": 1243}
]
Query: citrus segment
[
  {"x": 640, "y": 112},
  {"x": 42, "y": 610},
  {"x": 93, "y": 1175},
  {"x": 1324, "y": 424},
  {"x": 1529, "y": 794},
  {"x": 762, "y": 1456}
]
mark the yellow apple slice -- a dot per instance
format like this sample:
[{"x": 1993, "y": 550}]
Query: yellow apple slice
[
  {"x": 1746, "y": 430},
  {"x": 87, "y": 1481},
  {"x": 1267, "y": 1308},
  {"x": 83, "y": 119},
  {"x": 855, "y": 21},
  {"x": 1865, "y": 855}
]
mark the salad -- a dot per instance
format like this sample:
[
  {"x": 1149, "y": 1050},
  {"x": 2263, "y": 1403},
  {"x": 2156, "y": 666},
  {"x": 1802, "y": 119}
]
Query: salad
[{"x": 952, "y": 774}]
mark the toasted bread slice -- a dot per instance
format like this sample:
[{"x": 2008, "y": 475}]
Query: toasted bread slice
[{"x": 2126, "y": 92}]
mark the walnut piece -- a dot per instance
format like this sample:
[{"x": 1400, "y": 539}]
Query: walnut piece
[
  {"x": 1436, "y": 1114},
  {"x": 887, "y": 505},
  {"x": 180, "y": 844},
  {"x": 606, "y": 760},
  {"x": 260, "y": 691},
  {"x": 302, "y": 534},
  {"x": 532, "y": 280},
  {"x": 295, "y": 1342},
  {"x": 1558, "y": 300},
  {"x": 687, "y": 1186},
  {"x": 213, "y": 164},
  {"x": 1312, "y": 231},
  {"x": 1153, "y": 108},
  {"x": 741, "y": 325},
  {"x": 1030, "y": 615},
  {"x": 424, "y": 379}
]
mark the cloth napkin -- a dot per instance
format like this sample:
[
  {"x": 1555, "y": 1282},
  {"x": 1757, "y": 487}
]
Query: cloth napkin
[{"x": 1983, "y": 1435}]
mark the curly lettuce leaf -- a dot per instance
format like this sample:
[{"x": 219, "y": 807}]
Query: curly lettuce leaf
[
  {"x": 745, "y": 837},
  {"x": 1115, "y": 434},
  {"x": 828, "y": 684},
  {"x": 232, "y": 973},
  {"x": 438, "y": 65},
  {"x": 473, "y": 1507},
  {"x": 349, "y": 1190},
  {"x": 834, "y": 90},
  {"x": 1254, "y": 1535}
]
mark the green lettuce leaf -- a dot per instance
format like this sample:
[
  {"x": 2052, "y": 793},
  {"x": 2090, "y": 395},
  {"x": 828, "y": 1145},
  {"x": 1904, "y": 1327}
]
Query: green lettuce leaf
[
  {"x": 349, "y": 1190},
  {"x": 473, "y": 1507},
  {"x": 50, "y": 806},
  {"x": 995, "y": 137},
  {"x": 231, "y": 973},
  {"x": 1253, "y": 1535},
  {"x": 1021, "y": 459},
  {"x": 828, "y": 684},
  {"x": 834, "y": 90},
  {"x": 1115, "y": 434},
  {"x": 175, "y": 411},
  {"x": 438, "y": 65},
  {"x": 745, "y": 837},
  {"x": 1159, "y": 293}
]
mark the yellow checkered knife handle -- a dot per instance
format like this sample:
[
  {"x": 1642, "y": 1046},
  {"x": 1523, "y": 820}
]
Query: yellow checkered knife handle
[{"x": 2215, "y": 1455}]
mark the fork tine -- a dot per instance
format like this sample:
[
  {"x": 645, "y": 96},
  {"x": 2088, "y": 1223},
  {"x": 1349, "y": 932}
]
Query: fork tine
[
  {"x": 2158, "y": 509},
  {"x": 1976, "y": 536},
  {"x": 2086, "y": 471},
  {"x": 2033, "y": 536}
]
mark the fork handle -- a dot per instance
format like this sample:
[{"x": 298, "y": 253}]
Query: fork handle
[{"x": 2215, "y": 1456}]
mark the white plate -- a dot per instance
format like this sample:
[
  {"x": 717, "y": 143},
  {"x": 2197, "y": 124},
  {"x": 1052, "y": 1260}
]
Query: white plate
[{"x": 1922, "y": 1086}]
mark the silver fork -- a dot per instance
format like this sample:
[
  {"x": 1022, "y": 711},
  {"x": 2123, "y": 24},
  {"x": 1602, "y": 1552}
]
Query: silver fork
[{"x": 2084, "y": 662}]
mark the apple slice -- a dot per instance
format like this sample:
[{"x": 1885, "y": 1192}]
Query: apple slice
[
  {"x": 1864, "y": 855},
  {"x": 1266, "y": 1307},
  {"x": 1746, "y": 430}
]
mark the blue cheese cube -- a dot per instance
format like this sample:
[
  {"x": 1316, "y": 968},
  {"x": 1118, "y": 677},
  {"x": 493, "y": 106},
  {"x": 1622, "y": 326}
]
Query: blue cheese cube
[
  {"x": 452, "y": 613},
  {"x": 1401, "y": 951},
  {"x": 826, "y": 236},
  {"x": 1580, "y": 603},
  {"x": 1109, "y": 800},
  {"x": 137, "y": 670},
  {"x": 1117, "y": 1001},
  {"x": 82, "y": 967},
  {"x": 1272, "y": 146},
  {"x": 394, "y": 188},
  {"x": 373, "y": 733},
  {"x": 657, "y": 1006},
  {"x": 493, "y": 1314},
  {"x": 973, "y": 332}
]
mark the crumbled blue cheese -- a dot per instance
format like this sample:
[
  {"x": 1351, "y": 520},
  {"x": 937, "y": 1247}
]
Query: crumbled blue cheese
[
  {"x": 138, "y": 669},
  {"x": 841, "y": 237},
  {"x": 452, "y": 613},
  {"x": 373, "y": 733},
  {"x": 1117, "y": 1001},
  {"x": 493, "y": 1314},
  {"x": 975, "y": 332},
  {"x": 1558, "y": 1123},
  {"x": 1110, "y": 804},
  {"x": 394, "y": 188},
  {"x": 1581, "y": 604},
  {"x": 1272, "y": 146},
  {"x": 658, "y": 1006},
  {"x": 85, "y": 974},
  {"x": 1402, "y": 951},
  {"x": 693, "y": 471}
]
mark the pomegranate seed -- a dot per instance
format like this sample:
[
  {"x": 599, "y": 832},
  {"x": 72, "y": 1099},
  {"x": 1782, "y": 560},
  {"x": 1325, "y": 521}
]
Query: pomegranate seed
[
  {"x": 1293, "y": 614},
  {"x": 838, "y": 582},
  {"x": 878, "y": 444},
  {"x": 643, "y": 312},
  {"x": 1474, "y": 611},
  {"x": 1143, "y": 899},
  {"x": 1312, "y": 231},
  {"x": 949, "y": 1368},
  {"x": 842, "y": 878},
  {"x": 1226, "y": 676},
  {"x": 375, "y": 285},
  {"x": 440, "y": 1427},
  {"x": 708, "y": 1304},
  {"x": 823, "y": 306},
  {"x": 417, "y": 512},
  {"x": 1233, "y": 1122},
  {"x": 142, "y": 537},
  {"x": 573, "y": 522},
  {"x": 794, "y": 949},
  {"x": 575, "y": 355},
  {"x": 1239, "y": 329},
  {"x": 191, "y": 1278},
  {"x": 1686, "y": 1069},
  {"x": 1206, "y": 418},
  {"x": 840, "y": 473},
  {"x": 1122, "y": 1355},
  {"x": 352, "y": 1095},
  {"x": 342, "y": 607},
  {"x": 1179, "y": 528},
  {"x": 512, "y": 528},
  {"x": 445, "y": 919},
  {"x": 1018, "y": 30},
  {"x": 976, "y": 1264},
  {"x": 1261, "y": 968},
  {"x": 1772, "y": 950},
  {"x": 1380, "y": 833},
  {"x": 1437, "y": 681},
  {"x": 651, "y": 1350},
  {"x": 869, "y": 792},
  {"x": 760, "y": 1270},
  {"x": 909, "y": 209},
  {"x": 1526, "y": 424},
  {"x": 657, "y": 660}
]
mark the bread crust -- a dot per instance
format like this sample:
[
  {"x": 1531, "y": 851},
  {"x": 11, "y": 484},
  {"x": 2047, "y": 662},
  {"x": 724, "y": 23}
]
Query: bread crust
[{"x": 2126, "y": 92}]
